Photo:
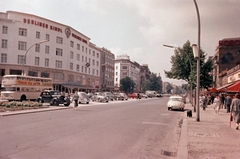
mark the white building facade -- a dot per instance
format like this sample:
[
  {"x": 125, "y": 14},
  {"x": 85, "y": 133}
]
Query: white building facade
[
  {"x": 125, "y": 67},
  {"x": 40, "y": 47}
]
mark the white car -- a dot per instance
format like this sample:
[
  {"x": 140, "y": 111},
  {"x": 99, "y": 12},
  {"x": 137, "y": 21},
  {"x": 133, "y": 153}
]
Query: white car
[
  {"x": 176, "y": 102},
  {"x": 83, "y": 98}
]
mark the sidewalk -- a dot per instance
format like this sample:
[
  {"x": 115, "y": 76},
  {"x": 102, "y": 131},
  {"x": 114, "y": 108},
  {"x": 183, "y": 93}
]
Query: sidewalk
[{"x": 211, "y": 137}]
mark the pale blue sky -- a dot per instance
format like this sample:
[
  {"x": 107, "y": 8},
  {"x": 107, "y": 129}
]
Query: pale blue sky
[{"x": 139, "y": 28}]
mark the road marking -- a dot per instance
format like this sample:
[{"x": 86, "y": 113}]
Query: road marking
[
  {"x": 153, "y": 123},
  {"x": 197, "y": 134}
]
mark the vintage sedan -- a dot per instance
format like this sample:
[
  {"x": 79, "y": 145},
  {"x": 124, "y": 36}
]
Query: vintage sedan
[
  {"x": 83, "y": 98},
  {"x": 99, "y": 97},
  {"x": 176, "y": 102}
]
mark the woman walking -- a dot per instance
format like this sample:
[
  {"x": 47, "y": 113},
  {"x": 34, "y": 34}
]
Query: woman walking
[
  {"x": 217, "y": 104},
  {"x": 235, "y": 110},
  {"x": 75, "y": 99}
]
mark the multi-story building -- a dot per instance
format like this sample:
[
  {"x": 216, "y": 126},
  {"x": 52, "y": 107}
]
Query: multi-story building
[
  {"x": 226, "y": 61},
  {"x": 125, "y": 67},
  {"x": 36, "y": 46},
  {"x": 107, "y": 70}
]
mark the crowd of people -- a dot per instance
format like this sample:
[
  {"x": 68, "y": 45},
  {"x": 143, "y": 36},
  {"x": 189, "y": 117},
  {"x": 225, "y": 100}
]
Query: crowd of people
[{"x": 223, "y": 101}]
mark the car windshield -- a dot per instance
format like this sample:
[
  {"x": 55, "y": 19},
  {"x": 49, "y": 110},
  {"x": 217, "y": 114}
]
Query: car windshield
[{"x": 176, "y": 99}]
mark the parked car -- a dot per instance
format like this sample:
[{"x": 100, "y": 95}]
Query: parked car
[
  {"x": 90, "y": 95},
  {"x": 143, "y": 95},
  {"x": 133, "y": 95},
  {"x": 158, "y": 95},
  {"x": 99, "y": 97},
  {"x": 83, "y": 98},
  {"x": 124, "y": 95},
  {"x": 118, "y": 96},
  {"x": 54, "y": 97},
  {"x": 109, "y": 95},
  {"x": 150, "y": 95},
  {"x": 175, "y": 102}
]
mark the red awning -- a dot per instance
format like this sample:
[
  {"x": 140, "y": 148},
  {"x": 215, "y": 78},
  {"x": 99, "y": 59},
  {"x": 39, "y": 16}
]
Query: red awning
[
  {"x": 224, "y": 88},
  {"x": 234, "y": 88},
  {"x": 212, "y": 90}
]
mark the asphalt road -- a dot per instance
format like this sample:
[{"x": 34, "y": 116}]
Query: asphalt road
[{"x": 134, "y": 129}]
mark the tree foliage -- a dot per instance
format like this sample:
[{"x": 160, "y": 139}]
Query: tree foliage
[
  {"x": 127, "y": 85},
  {"x": 184, "y": 66},
  {"x": 153, "y": 83},
  {"x": 169, "y": 88}
]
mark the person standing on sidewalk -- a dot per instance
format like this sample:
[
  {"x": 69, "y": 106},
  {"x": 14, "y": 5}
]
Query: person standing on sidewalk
[
  {"x": 228, "y": 101},
  {"x": 222, "y": 98},
  {"x": 75, "y": 99},
  {"x": 235, "y": 110},
  {"x": 217, "y": 104}
]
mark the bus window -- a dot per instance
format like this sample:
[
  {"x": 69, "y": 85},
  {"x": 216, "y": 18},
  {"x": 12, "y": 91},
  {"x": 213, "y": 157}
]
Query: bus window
[
  {"x": 10, "y": 88},
  {"x": 18, "y": 88}
]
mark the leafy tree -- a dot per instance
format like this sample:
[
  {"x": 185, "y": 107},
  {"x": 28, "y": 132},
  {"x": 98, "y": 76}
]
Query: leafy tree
[
  {"x": 184, "y": 66},
  {"x": 127, "y": 85},
  {"x": 146, "y": 85},
  {"x": 169, "y": 88},
  {"x": 153, "y": 83}
]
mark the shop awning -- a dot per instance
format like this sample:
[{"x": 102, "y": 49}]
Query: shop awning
[
  {"x": 212, "y": 90},
  {"x": 224, "y": 87},
  {"x": 234, "y": 88}
]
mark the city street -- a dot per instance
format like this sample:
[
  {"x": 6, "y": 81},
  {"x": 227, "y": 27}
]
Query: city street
[{"x": 119, "y": 129}]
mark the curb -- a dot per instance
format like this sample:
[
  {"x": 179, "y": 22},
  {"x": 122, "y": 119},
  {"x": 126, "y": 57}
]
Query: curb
[
  {"x": 32, "y": 111},
  {"x": 182, "y": 147}
]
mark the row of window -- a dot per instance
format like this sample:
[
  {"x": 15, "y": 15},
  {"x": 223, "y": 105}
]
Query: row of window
[
  {"x": 59, "y": 40},
  {"x": 59, "y": 52},
  {"x": 58, "y": 64}
]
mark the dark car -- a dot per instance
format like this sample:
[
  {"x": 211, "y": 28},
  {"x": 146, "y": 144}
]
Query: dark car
[{"x": 54, "y": 97}]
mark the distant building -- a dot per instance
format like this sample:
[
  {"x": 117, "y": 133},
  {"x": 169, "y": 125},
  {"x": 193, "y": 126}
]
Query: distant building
[
  {"x": 125, "y": 67},
  {"x": 226, "y": 62},
  {"x": 107, "y": 70}
]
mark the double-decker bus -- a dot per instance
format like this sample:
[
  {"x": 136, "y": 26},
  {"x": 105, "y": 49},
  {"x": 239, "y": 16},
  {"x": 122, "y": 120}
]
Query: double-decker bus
[{"x": 18, "y": 87}]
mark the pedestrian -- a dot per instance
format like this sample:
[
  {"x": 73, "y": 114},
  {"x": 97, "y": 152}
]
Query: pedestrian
[
  {"x": 209, "y": 99},
  {"x": 212, "y": 98},
  {"x": 222, "y": 98},
  {"x": 235, "y": 110},
  {"x": 228, "y": 101},
  {"x": 217, "y": 104},
  {"x": 204, "y": 102},
  {"x": 75, "y": 99},
  {"x": 138, "y": 96}
]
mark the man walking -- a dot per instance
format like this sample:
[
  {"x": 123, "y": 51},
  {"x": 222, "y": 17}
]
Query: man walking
[
  {"x": 228, "y": 101},
  {"x": 235, "y": 110}
]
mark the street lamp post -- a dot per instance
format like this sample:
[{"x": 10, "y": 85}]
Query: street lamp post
[
  {"x": 196, "y": 51},
  {"x": 175, "y": 47},
  {"x": 23, "y": 62}
]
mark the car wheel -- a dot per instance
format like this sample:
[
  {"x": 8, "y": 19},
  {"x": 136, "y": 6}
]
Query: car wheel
[
  {"x": 23, "y": 98},
  {"x": 55, "y": 103},
  {"x": 66, "y": 104}
]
